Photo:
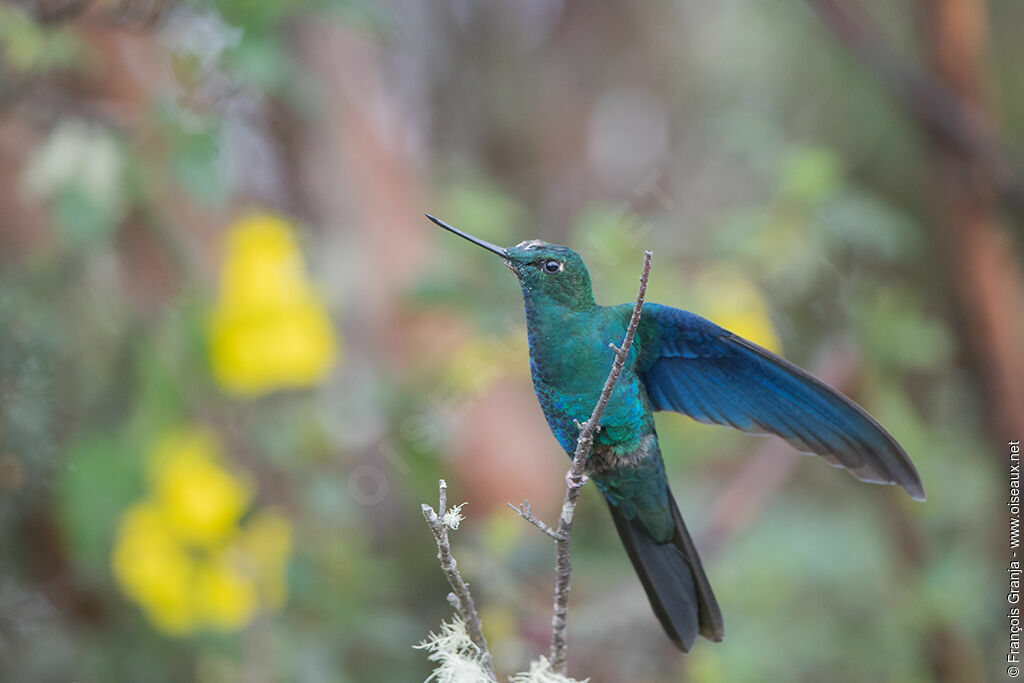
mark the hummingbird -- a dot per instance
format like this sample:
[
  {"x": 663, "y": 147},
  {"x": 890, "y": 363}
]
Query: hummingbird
[{"x": 687, "y": 364}]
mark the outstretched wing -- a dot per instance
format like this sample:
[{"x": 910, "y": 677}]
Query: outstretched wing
[{"x": 692, "y": 366}]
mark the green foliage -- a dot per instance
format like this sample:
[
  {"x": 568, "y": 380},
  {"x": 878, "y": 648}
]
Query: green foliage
[
  {"x": 101, "y": 476},
  {"x": 896, "y": 333},
  {"x": 810, "y": 175},
  {"x": 28, "y": 48}
]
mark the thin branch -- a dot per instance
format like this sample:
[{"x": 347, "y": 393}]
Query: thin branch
[
  {"x": 526, "y": 513},
  {"x": 576, "y": 478},
  {"x": 460, "y": 597}
]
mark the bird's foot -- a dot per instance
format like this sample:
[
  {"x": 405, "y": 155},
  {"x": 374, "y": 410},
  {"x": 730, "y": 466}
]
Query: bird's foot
[{"x": 574, "y": 483}]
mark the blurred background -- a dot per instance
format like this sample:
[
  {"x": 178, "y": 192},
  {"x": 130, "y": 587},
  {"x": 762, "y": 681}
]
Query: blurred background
[{"x": 235, "y": 358}]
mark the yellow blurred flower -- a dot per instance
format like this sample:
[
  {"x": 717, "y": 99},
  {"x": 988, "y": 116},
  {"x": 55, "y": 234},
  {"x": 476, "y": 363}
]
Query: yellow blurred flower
[
  {"x": 732, "y": 301},
  {"x": 226, "y": 597},
  {"x": 153, "y": 568},
  {"x": 269, "y": 329},
  {"x": 201, "y": 500},
  {"x": 182, "y": 552}
]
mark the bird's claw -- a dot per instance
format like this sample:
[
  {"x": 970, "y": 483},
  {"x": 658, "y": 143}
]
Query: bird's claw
[{"x": 574, "y": 483}]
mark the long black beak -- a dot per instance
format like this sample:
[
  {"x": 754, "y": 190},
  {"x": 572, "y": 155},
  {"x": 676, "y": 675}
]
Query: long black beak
[{"x": 475, "y": 240}]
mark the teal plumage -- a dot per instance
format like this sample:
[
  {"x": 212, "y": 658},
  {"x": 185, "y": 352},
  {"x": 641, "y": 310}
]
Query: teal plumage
[
  {"x": 683, "y": 363},
  {"x": 570, "y": 357}
]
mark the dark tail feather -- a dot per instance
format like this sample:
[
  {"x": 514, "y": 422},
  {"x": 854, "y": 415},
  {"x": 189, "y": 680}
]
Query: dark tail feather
[{"x": 674, "y": 579}]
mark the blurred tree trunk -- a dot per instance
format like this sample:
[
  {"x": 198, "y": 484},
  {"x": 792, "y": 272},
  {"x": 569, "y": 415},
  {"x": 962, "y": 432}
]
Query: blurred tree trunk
[{"x": 985, "y": 273}]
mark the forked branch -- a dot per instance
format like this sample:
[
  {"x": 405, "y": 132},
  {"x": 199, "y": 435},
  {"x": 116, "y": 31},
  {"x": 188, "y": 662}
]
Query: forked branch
[{"x": 460, "y": 597}]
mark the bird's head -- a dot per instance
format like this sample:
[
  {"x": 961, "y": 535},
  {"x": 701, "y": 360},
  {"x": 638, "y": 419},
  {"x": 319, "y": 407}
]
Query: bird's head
[{"x": 548, "y": 272}]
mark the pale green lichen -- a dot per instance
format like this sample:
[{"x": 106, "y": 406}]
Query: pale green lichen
[
  {"x": 453, "y": 517},
  {"x": 540, "y": 672},
  {"x": 458, "y": 658}
]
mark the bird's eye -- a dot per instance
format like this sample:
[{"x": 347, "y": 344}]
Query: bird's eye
[{"x": 552, "y": 266}]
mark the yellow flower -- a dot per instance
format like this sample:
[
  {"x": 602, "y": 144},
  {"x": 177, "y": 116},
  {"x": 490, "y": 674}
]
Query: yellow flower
[
  {"x": 181, "y": 552},
  {"x": 200, "y": 499},
  {"x": 226, "y": 595},
  {"x": 269, "y": 329},
  {"x": 732, "y": 301},
  {"x": 153, "y": 568}
]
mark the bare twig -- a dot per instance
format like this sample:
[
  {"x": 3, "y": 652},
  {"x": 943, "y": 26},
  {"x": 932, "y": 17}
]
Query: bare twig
[
  {"x": 576, "y": 478},
  {"x": 526, "y": 513},
  {"x": 460, "y": 597}
]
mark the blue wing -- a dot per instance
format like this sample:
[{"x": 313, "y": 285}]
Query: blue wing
[{"x": 692, "y": 366}]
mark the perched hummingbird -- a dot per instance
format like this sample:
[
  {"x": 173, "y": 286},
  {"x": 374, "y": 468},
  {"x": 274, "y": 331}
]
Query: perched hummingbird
[{"x": 682, "y": 362}]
